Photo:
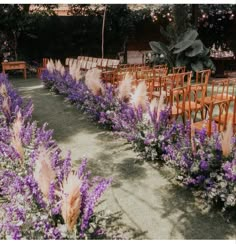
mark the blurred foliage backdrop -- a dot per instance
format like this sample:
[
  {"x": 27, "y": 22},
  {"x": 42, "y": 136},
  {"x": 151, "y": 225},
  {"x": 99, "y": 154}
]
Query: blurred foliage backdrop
[{"x": 31, "y": 35}]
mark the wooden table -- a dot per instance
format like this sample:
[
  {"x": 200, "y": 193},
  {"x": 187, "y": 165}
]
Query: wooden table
[{"x": 13, "y": 66}]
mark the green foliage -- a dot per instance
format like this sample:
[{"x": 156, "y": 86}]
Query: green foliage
[{"x": 185, "y": 51}]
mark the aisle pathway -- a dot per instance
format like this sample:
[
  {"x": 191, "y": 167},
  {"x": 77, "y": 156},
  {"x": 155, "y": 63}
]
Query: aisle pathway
[{"x": 149, "y": 202}]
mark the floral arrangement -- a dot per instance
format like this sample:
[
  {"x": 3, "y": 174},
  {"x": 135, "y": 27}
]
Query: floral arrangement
[
  {"x": 204, "y": 164},
  {"x": 41, "y": 195}
]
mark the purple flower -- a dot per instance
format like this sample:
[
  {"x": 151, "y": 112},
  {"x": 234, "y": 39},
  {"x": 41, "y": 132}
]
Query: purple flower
[{"x": 204, "y": 165}]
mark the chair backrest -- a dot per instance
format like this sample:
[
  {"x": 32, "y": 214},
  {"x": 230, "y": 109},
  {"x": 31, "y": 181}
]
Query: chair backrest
[
  {"x": 94, "y": 60},
  {"x": 144, "y": 74},
  {"x": 83, "y": 64},
  {"x": 99, "y": 62},
  {"x": 157, "y": 72},
  {"x": 177, "y": 100},
  {"x": 116, "y": 62},
  {"x": 89, "y": 65},
  {"x": 182, "y": 79},
  {"x": 179, "y": 69},
  {"x": 220, "y": 89},
  {"x": 220, "y": 109},
  {"x": 160, "y": 66},
  {"x": 104, "y": 63},
  {"x": 90, "y": 59},
  {"x": 110, "y": 63},
  {"x": 203, "y": 76},
  {"x": 94, "y": 65},
  {"x": 196, "y": 93}
]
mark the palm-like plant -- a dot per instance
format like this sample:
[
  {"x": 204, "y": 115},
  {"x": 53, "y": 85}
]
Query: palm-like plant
[{"x": 183, "y": 50}]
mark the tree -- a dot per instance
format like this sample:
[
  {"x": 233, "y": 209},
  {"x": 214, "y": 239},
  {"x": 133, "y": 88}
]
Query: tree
[{"x": 16, "y": 19}]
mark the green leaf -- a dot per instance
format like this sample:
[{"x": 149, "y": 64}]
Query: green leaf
[
  {"x": 198, "y": 65},
  {"x": 183, "y": 45},
  {"x": 190, "y": 35},
  {"x": 209, "y": 64},
  {"x": 159, "y": 47},
  {"x": 196, "y": 48},
  {"x": 181, "y": 60},
  {"x": 204, "y": 52}
]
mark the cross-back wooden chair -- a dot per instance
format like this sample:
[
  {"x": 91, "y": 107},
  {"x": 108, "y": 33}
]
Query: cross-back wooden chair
[
  {"x": 215, "y": 109},
  {"x": 179, "y": 69},
  {"x": 177, "y": 103},
  {"x": 219, "y": 91},
  {"x": 160, "y": 66},
  {"x": 158, "y": 72},
  {"x": 182, "y": 79},
  {"x": 230, "y": 117},
  {"x": 194, "y": 100}
]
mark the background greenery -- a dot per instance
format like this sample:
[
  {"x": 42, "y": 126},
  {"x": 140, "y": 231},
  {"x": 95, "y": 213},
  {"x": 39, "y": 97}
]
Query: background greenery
[{"x": 31, "y": 36}]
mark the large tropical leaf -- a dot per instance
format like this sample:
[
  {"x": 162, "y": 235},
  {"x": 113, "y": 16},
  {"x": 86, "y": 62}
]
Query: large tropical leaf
[
  {"x": 198, "y": 65},
  {"x": 195, "y": 49},
  {"x": 161, "y": 48},
  {"x": 209, "y": 64},
  {"x": 204, "y": 53},
  {"x": 181, "y": 60},
  {"x": 190, "y": 35},
  {"x": 182, "y": 46}
]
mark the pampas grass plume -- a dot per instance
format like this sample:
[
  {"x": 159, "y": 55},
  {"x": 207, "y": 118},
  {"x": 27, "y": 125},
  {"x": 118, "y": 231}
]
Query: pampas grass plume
[
  {"x": 71, "y": 200},
  {"x": 43, "y": 172}
]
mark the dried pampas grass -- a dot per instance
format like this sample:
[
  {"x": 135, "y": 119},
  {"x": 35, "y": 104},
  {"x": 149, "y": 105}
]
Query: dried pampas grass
[
  {"x": 6, "y": 103},
  {"x": 71, "y": 200},
  {"x": 43, "y": 172},
  {"x": 3, "y": 90},
  {"x": 192, "y": 135},
  {"x": 72, "y": 70},
  {"x": 58, "y": 65},
  {"x": 62, "y": 70},
  {"x": 50, "y": 66},
  {"x": 139, "y": 98},
  {"x": 78, "y": 74},
  {"x": 124, "y": 89},
  {"x": 16, "y": 137},
  {"x": 93, "y": 81},
  {"x": 226, "y": 139}
]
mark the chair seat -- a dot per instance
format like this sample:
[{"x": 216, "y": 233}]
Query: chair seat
[
  {"x": 190, "y": 106},
  {"x": 175, "y": 111},
  {"x": 220, "y": 119},
  {"x": 204, "y": 124}
]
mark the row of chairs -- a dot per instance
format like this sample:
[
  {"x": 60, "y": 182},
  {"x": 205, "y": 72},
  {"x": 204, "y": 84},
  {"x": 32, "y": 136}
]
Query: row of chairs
[
  {"x": 215, "y": 106},
  {"x": 103, "y": 64}
]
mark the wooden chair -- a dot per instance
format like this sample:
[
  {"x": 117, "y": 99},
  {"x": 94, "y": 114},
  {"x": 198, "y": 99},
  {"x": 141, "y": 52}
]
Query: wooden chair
[
  {"x": 231, "y": 116},
  {"x": 222, "y": 108},
  {"x": 108, "y": 76},
  {"x": 177, "y": 103},
  {"x": 220, "y": 91},
  {"x": 160, "y": 66},
  {"x": 194, "y": 100},
  {"x": 202, "y": 77},
  {"x": 179, "y": 69},
  {"x": 158, "y": 72},
  {"x": 43, "y": 67}
]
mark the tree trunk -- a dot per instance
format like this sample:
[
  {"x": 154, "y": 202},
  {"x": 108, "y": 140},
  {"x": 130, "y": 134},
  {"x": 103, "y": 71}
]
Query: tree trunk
[
  {"x": 103, "y": 29},
  {"x": 15, "y": 45},
  {"x": 195, "y": 11}
]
